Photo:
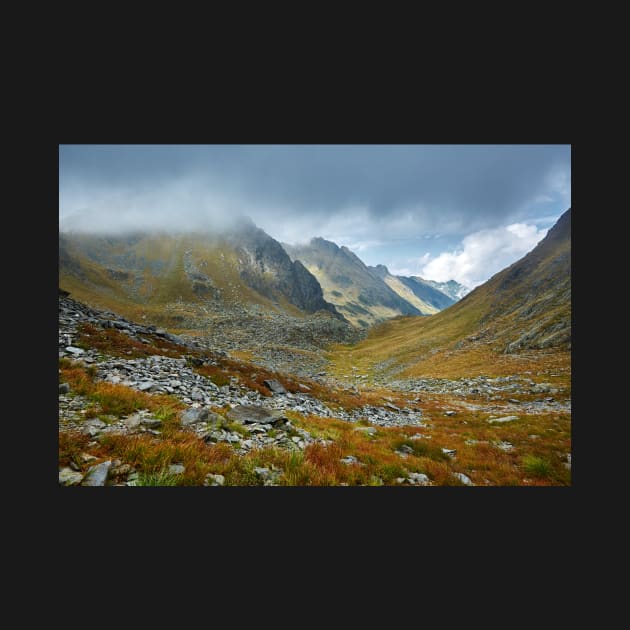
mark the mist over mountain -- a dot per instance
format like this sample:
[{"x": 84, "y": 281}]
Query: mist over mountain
[{"x": 180, "y": 273}]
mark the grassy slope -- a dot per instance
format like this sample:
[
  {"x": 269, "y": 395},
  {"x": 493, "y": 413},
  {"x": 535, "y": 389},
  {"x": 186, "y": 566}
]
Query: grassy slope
[
  {"x": 531, "y": 462},
  {"x": 158, "y": 289},
  {"x": 469, "y": 337}
]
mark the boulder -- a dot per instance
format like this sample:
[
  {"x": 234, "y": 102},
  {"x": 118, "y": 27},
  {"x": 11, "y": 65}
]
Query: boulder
[
  {"x": 465, "y": 479},
  {"x": 68, "y": 477},
  {"x": 193, "y": 416},
  {"x": 97, "y": 475},
  {"x": 252, "y": 413},
  {"x": 214, "y": 480},
  {"x": 275, "y": 386}
]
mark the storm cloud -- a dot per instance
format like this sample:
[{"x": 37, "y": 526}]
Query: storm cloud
[{"x": 392, "y": 204}]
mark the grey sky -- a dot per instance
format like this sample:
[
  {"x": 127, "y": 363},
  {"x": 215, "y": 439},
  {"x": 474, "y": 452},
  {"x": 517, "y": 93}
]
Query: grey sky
[{"x": 400, "y": 205}]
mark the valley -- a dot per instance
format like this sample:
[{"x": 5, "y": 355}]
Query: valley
[{"x": 263, "y": 392}]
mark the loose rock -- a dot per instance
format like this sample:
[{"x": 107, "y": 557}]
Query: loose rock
[
  {"x": 97, "y": 475},
  {"x": 465, "y": 479},
  {"x": 68, "y": 477}
]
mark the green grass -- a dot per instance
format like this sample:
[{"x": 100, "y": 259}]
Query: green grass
[
  {"x": 161, "y": 478},
  {"x": 234, "y": 427},
  {"x": 537, "y": 466}
]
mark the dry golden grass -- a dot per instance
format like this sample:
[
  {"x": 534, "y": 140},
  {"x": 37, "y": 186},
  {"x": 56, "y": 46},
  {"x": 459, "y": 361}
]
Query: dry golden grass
[
  {"x": 115, "y": 343},
  {"x": 537, "y": 461},
  {"x": 114, "y": 399},
  {"x": 540, "y": 442}
]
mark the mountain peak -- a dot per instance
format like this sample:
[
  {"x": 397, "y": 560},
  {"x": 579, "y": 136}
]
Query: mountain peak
[
  {"x": 322, "y": 243},
  {"x": 381, "y": 270}
]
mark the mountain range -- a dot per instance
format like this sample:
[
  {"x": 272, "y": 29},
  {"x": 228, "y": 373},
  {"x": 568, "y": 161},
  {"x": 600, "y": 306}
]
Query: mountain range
[
  {"x": 366, "y": 295},
  {"x": 178, "y": 279}
]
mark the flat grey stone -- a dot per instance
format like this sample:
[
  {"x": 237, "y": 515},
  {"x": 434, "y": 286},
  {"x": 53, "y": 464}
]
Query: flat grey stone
[
  {"x": 449, "y": 451},
  {"x": 214, "y": 480},
  {"x": 93, "y": 426},
  {"x": 192, "y": 416},
  {"x": 275, "y": 386},
  {"x": 64, "y": 388},
  {"x": 133, "y": 421},
  {"x": 252, "y": 413},
  {"x": 450, "y": 413},
  {"x": 97, "y": 475},
  {"x": 74, "y": 350},
  {"x": 504, "y": 446},
  {"x": 368, "y": 430},
  {"x": 68, "y": 477},
  {"x": 465, "y": 479},
  {"x": 145, "y": 386},
  {"x": 349, "y": 459},
  {"x": 419, "y": 479},
  {"x": 176, "y": 469},
  {"x": 503, "y": 419}
]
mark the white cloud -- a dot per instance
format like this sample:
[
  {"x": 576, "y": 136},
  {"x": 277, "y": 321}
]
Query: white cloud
[{"x": 482, "y": 254}]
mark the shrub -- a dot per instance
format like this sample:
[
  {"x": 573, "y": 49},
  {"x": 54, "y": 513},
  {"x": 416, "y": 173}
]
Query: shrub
[{"x": 537, "y": 466}]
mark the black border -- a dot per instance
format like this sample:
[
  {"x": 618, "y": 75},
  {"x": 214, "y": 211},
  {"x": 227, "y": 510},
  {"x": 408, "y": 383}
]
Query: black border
[{"x": 349, "y": 520}]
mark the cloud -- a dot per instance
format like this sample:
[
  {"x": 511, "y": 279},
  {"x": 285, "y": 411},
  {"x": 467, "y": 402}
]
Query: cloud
[
  {"x": 399, "y": 189},
  {"x": 483, "y": 253},
  {"x": 391, "y": 204},
  {"x": 177, "y": 205}
]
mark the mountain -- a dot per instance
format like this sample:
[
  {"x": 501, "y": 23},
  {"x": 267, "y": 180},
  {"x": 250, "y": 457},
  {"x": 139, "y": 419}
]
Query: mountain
[
  {"x": 356, "y": 290},
  {"x": 519, "y": 312},
  {"x": 453, "y": 289},
  {"x": 175, "y": 278},
  {"x": 417, "y": 291}
]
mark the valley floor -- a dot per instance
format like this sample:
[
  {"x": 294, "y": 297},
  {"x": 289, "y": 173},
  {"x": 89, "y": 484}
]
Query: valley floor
[{"x": 140, "y": 406}]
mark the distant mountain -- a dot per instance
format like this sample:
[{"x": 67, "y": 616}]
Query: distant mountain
[
  {"x": 358, "y": 292},
  {"x": 175, "y": 278},
  {"x": 451, "y": 288},
  {"x": 418, "y": 292}
]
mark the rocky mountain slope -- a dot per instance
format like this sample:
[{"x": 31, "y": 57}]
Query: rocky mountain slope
[
  {"x": 357, "y": 291},
  {"x": 175, "y": 280},
  {"x": 525, "y": 307}
]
